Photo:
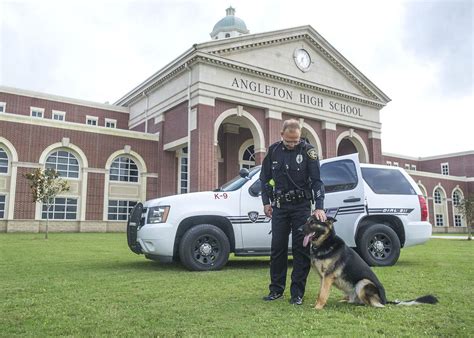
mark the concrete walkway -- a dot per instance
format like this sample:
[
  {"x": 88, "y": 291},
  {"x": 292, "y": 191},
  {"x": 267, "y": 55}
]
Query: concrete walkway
[{"x": 449, "y": 237}]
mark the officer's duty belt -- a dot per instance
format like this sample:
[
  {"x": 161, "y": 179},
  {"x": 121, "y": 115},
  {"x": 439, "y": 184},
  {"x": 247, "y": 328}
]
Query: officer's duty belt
[{"x": 292, "y": 196}]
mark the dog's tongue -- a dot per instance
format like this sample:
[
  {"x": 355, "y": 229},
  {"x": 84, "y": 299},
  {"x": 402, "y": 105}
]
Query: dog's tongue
[{"x": 307, "y": 238}]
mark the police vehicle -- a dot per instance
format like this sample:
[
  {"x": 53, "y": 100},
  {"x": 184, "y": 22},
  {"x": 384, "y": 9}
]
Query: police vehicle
[{"x": 379, "y": 209}]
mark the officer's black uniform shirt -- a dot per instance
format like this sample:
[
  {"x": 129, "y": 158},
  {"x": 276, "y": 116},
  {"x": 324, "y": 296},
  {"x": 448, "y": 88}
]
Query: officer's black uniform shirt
[{"x": 301, "y": 163}]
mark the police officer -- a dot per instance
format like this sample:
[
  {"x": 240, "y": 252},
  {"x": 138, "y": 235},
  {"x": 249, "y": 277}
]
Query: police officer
[{"x": 291, "y": 180}]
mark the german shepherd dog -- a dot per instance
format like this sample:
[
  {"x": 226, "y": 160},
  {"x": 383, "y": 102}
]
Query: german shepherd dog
[{"x": 340, "y": 265}]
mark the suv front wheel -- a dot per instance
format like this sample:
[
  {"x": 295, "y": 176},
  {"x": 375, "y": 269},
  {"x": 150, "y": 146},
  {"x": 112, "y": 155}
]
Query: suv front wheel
[
  {"x": 204, "y": 247},
  {"x": 379, "y": 245}
]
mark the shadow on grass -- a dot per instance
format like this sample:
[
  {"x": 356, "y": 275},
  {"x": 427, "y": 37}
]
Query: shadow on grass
[
  {"x": 410, "y": 263},
  {"x": 247, "y": 264},
  {"x": 147, "y": 265}
]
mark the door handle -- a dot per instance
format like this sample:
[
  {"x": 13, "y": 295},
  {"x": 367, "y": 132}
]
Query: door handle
[{"x": 350, "y": 200}]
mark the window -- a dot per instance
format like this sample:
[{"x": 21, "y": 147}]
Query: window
[
  {"x": 227, "y": 35},
  {"x": 413, "y": 167},
  {"x": 437, "y": 196},
  {"x": 457, "y": 221},
  {"x": 456, "y": 199},
  {"x": 92, "y": 120},
  {"x": 238, "y": 182},
  {"x": 36, "y": 112},
  {"x": 58, "y": 115},
  {"x": 445, "y": 168},
  {"x": 395, "y": 164},
  {"x": 439, "y": 220},
  {"x": 123, "y": 169},
  {"x": 3, "y": 161},
  {"x": 387, "y": 181},
  {"x": 62, "y": 208},
  {"x": 64, "y": 163},
  {"x": 183, "y": 171},
  {"x": 119, "y": 210},
  {"x": 407, "y": 166},
  {"x": 3, "y": 107},
  {"x": 248, "y": 158},
  {"x": 389, "y": 162},
  {"x": 339, "y": 176},
  {"x": 255, "y": 189},
  {"x": 2, "y": 206},
  {"x": 109, "y": 123}
]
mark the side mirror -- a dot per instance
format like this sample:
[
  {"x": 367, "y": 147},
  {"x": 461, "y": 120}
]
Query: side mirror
[{"x": 244, "y": 173}]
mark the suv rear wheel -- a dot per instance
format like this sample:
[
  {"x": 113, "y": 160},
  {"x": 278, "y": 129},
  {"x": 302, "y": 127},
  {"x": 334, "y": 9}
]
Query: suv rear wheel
[
  {"x": 379, "y": 245},
  {"x": 204, "y": 247}
]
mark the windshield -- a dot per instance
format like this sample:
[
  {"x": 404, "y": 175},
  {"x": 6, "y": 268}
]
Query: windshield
[{"x": 238, "y": 181}]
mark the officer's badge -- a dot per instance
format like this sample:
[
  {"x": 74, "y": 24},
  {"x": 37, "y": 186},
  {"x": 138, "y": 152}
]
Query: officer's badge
[
  {"x": 299, "y": 158},
  {"x": 253, "y": 216},
  {"x": 312, "y": 154}
]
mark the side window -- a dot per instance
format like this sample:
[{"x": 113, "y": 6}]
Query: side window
[
  {"x": 387, "y": 181},
  {"x": 255, "y": 189},
  {"x": 339, "y": 176}
]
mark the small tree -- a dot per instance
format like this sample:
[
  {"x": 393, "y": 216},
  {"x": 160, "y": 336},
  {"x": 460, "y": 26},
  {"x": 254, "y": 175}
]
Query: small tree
[
  {"x": 466, "y": 208},
  {"x": 45, "y": 186}
]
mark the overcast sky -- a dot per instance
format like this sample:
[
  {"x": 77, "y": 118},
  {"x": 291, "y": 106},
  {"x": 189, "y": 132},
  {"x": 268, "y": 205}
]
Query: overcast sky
[{"x": 418, "y": 52}]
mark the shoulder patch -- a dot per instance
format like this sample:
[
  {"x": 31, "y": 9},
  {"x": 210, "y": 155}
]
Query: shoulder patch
[{"x": 312, "y": 154}]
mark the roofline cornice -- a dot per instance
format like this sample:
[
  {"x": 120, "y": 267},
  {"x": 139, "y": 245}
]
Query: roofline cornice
[
  {"x": 144, "y": 86},
  {"x": 333, "y": 56},
  {"x": 282, "y": 78},
  {"x": 300, "y": 32},
  {"x": 62, "y": 99},
  {"x": 200, "y": 57},
  {"x": 435, "y": 157}
]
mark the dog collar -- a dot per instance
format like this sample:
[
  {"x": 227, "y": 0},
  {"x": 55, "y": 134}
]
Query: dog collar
[{"x": 320, "y": 253}]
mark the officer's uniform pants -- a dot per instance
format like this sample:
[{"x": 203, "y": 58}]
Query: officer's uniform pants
[{"x": 289, "y": 217}]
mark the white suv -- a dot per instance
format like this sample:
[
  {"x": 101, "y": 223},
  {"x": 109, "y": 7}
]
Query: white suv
[{"x": 379, "y": 209}]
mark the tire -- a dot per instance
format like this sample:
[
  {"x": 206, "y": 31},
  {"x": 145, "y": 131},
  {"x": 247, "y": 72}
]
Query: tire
[
  {"x": 204, "y": 247},
  {"x": 379, "y": 245}
]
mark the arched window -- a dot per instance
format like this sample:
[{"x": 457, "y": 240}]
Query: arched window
[
  {"x": 227, "y": 35},
  {"x": 440, "y": 207},
  {"x": 64, "y": 162},
  {"x": 457, "y": 216},
  {"x": 3, "y": 161},
  {"x": 437, "y": 196},
  {"x": 123, "y": 169},
  {"x": 456, "y": 198},
  {"x": 248, "y": 158}
]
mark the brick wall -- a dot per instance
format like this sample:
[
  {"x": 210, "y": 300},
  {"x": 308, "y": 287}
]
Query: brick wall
[
  {"x": 176, "y": 123},
  {"x": 203, "y": 153},
  {"x": 375, "y": 151},
  {"x": 31, "y": 140},
  {"x": 95, "y": 196},
  {"x": 20, "y": 105},
  {"x": 24, "y": 205}
]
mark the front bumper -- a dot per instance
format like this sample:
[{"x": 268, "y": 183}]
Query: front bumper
[
  {"x": 417, "y": 233},
  {"x": 157, "y": 240}
]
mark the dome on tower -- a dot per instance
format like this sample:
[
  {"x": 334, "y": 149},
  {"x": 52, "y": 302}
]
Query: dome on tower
[{"x": 229, "y": 26}]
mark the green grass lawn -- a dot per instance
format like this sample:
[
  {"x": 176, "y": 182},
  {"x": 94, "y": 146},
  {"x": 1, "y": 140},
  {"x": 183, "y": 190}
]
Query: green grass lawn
[{"x": 91, "y": 284}]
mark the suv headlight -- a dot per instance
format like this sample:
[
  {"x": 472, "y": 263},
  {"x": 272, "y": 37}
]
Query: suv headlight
[{"x": 158, "y": 214}]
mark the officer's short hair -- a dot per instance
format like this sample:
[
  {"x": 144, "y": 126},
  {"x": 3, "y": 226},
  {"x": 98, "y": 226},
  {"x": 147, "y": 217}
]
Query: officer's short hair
[{"x": 290, "y": 124}]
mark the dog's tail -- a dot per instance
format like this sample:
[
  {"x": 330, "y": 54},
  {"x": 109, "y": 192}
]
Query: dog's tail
[{"x": 428, "y": 299}]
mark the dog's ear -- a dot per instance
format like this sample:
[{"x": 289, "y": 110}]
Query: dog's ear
[{"x": 330, "y": 222}]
